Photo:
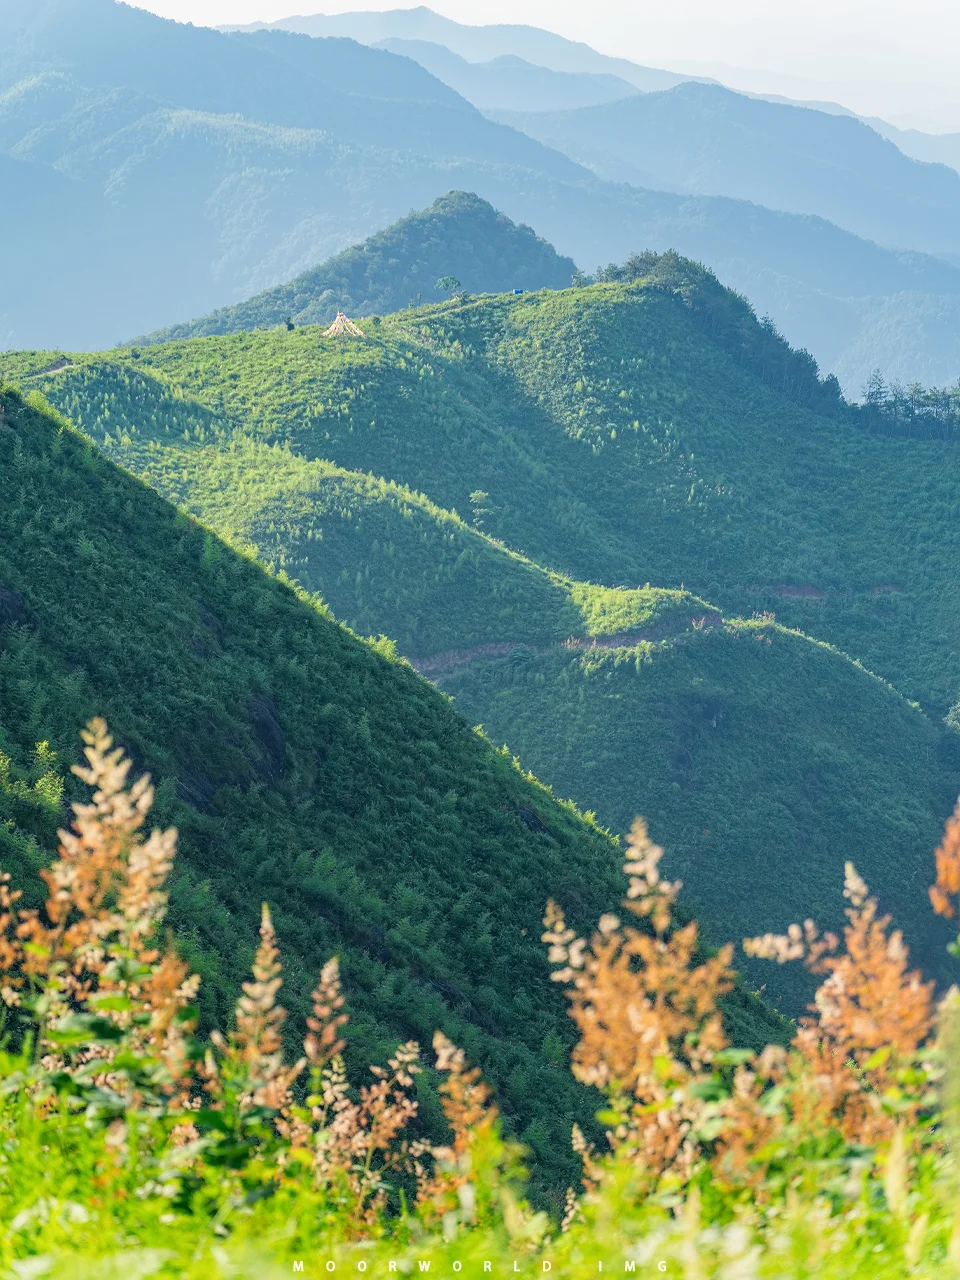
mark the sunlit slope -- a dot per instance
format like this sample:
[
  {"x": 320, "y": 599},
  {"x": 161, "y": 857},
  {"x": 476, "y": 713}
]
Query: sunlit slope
[
  {"x": 301, "y": 767},
  {"x": 762, "y": 759},
  {"x": 620, "y": 435}
]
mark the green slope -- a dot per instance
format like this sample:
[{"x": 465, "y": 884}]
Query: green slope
[
  {"x": 300, "y": 765},
  {"x": 762, "y": 759},
  {"x": 622, "y": 434},
  {"x": 459, "y": 235}
]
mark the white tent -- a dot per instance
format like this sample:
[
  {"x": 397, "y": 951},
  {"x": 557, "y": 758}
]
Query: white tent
[{"x": 342, "y": 326}]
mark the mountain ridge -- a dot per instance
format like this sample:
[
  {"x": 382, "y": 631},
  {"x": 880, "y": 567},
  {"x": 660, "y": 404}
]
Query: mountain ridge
[
  {"x": 707, "y": 140},
  {"x": 229, "y": 206},
  {"x": 533, "y": 43},
  {"x": 459, "y": 236}
]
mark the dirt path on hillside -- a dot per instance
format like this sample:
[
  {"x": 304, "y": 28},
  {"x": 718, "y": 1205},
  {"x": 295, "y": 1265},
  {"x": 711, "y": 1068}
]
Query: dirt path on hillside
[
  {"x": 670, "y": 628},
  {"x": 58, "y": 366}
]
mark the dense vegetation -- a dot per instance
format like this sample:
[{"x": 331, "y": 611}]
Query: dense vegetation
[
  {"x": 644, "y": 430},
  {"x": 134, "y": 1146},
  {"x": 763, "y": 761},
  {"x": 301, "y": 767},
  {"x": 618, "y": 433},
  {"x": 460, "y": 237}
]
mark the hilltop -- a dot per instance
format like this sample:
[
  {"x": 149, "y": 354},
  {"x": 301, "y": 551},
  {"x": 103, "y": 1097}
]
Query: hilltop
[{"x": 459, "y": 236}]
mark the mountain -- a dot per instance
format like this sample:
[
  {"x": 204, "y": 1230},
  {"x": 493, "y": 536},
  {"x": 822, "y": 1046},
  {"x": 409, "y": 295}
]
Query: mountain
[
  {"x": 460, "y": 235},
  {"x": 475, "y": 43},
  {"x": 706, "y": 140},
  {"x": 217, "y": 165},
  {"x": 509, "y": 83},
  {"x": 934, "y": 148},
  {"x": 225, "y": 165},
  {"x": 763, "y": 759},
  {"x": 300, "y": 766},
  {"x": 620, "y": 434},
  {"x": 652, "y": 431}
]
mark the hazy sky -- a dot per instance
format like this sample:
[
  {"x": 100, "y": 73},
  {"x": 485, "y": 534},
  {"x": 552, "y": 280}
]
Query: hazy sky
[{"x": 892, "y": 57}]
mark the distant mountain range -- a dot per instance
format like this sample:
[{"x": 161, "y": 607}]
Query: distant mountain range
[
  {"x": 706, "y": 140},
  {"x": 511, "y": 83},
  {"x": 196, "y": 169},
  {"x": 475, "y": 43}
]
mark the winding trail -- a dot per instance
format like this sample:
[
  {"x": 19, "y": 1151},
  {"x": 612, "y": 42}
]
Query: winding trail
[{"x": 440, "y": 664}]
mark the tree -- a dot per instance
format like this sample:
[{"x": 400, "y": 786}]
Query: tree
[
  {"x": 479, "y": 504},
  {"x": 449, "y": 284}
]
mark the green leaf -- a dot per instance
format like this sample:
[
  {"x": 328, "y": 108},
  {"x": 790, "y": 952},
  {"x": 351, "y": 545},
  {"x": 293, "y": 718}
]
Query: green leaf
[
  {"x": 84, "y": 1028},
  {"x": 116, "y": 1003},
  {"x": 732, "y": 1057},
  {"x": 208, "y": 1119},
  {"x": 877, "y": 1059}
]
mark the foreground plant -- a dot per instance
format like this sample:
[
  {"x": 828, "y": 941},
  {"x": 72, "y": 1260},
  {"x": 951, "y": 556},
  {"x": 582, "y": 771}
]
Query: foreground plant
[{"x": 129, "y": 1146}]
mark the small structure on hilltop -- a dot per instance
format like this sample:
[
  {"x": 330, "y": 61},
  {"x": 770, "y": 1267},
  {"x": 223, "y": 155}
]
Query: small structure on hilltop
[{"x": 343, "y": 327}]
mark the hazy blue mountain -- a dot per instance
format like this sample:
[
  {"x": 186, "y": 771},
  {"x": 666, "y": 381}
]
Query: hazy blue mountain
[
  {"x": 274, "y": 78},
  {"x": 209, "y": 167},
  {"x": 478, "y": 44},
  {"x": 706, "y": 140},
  {"x": 509, "y": 83},
  {"x": 460, "y": 235},
  {"x": 214, "y": 166},
  {"x": 935, "y": 148}
]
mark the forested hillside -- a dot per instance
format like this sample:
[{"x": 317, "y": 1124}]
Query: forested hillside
[
  {"x": 301, "y": 767},
  {"x": 763, "y": 759},
  {"x": 617, "y": 433},
  {"x": 460, "y": 238},
  {"x": 622, "y": 434}
]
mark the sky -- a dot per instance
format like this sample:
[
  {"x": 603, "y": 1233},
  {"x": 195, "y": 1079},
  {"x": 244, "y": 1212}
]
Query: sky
[{"x": 895, "y": 58}]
